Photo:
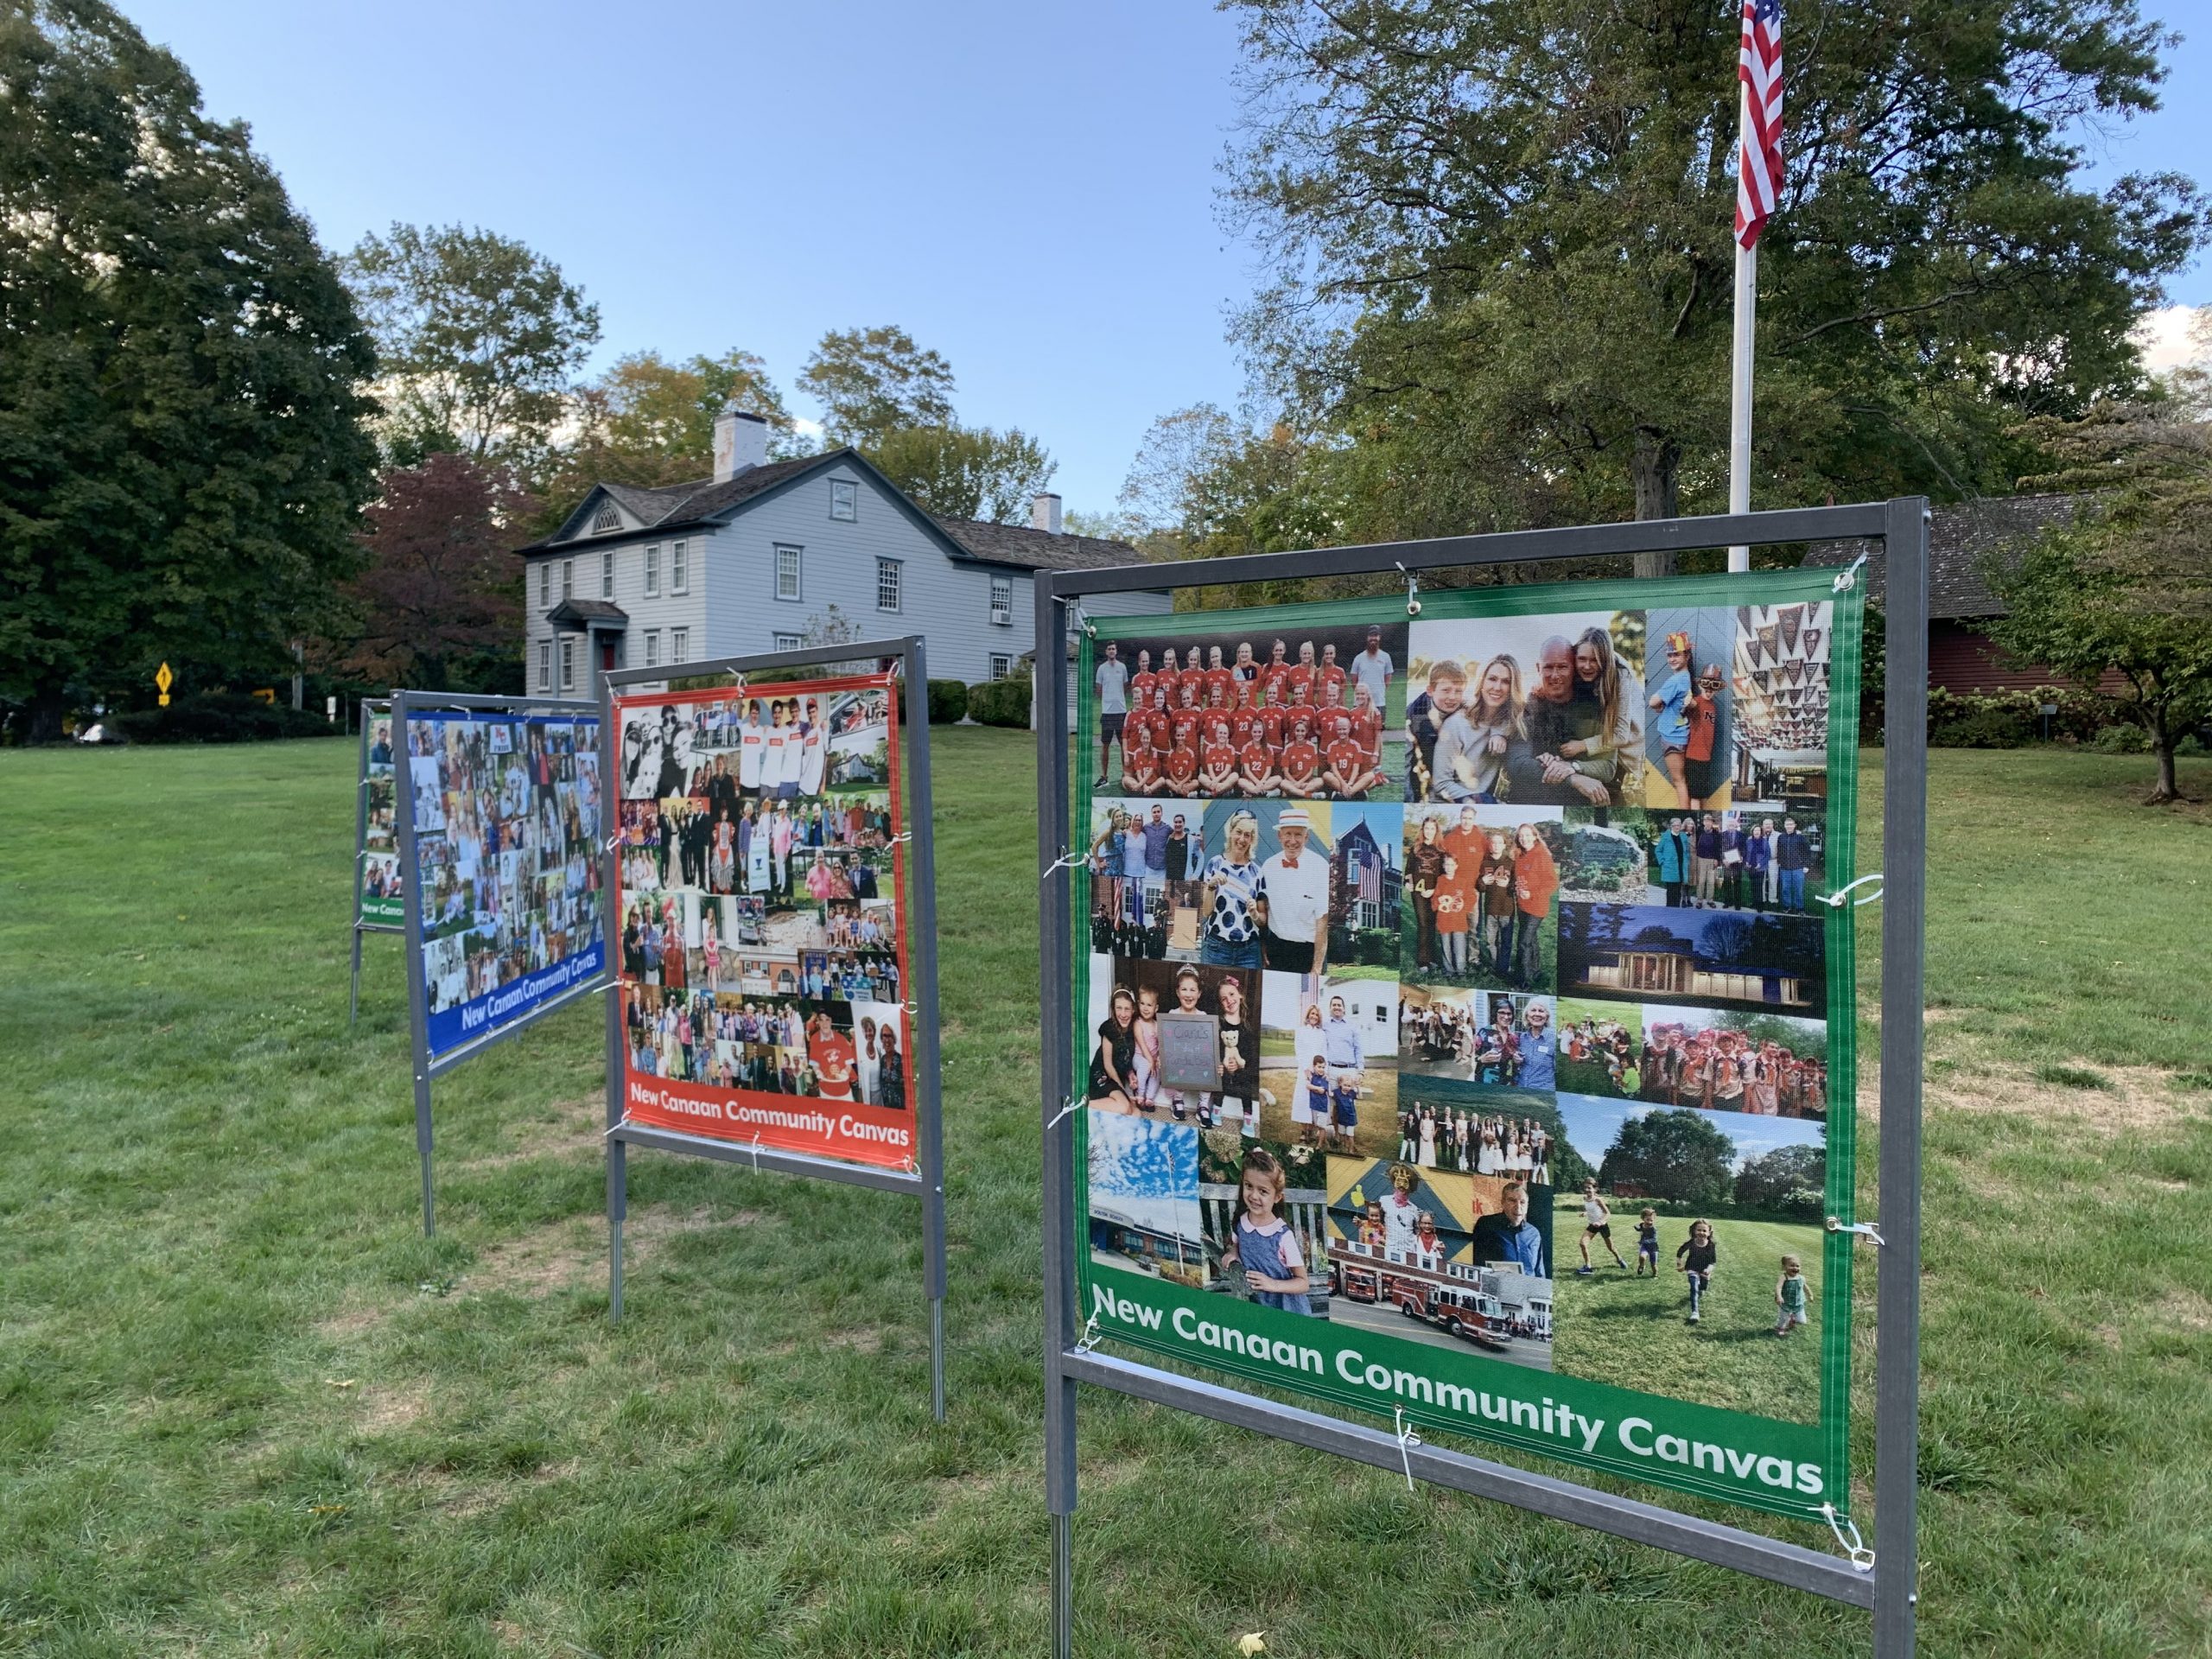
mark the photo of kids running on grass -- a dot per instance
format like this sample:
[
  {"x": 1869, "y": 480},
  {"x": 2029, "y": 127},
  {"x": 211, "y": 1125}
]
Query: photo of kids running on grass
[{"x": 1688, "y": 1253}]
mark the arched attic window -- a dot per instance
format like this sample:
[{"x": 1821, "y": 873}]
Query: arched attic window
[{"x": 610, "y": 517}]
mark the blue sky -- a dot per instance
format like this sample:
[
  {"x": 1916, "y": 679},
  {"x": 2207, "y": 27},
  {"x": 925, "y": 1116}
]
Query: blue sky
[{"x": 1027, "y": 188}]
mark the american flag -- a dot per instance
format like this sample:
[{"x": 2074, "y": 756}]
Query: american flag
[{"x": 1758, "y": 159}]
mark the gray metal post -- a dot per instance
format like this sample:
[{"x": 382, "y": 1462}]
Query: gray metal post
[
  {"x": 1049, "y": 704},
  {"x": 1904, "y": 848},
  {"x": 618, "y": 1155},
  {"x": 920, "y": 995},
  {"x": 403, "y": 793},
  {"x": 353, "y": 1008}
]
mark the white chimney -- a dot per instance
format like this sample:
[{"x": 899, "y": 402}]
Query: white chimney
[
  {"x": 740, "y": 440},
  {"x": 1045, "y": 512}
]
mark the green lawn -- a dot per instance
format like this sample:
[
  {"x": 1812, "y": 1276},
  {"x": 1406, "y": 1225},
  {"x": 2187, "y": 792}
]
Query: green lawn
[
  {"x": 1614, "y": 1327},
  {"x": 244, "y": 1408}
]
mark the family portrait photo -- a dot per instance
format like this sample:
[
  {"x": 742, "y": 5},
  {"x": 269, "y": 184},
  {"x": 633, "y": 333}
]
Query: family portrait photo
[
  {"x": 1722, "y": 1060},
  {"x": 507, "y": 840},
  {"x": 1329, "y": 1060},
  {"x": 1781, "y": 701},
  {"x": 1690, "y": 1255},
  {"x": 1757, "y": 856},
  {"x": 1538, "y": 711},
  {"x": 1144, "y": 1198},
  {"x": 1768, "y": 959},
  {"x": 1311, "y": 714},
  {"x": 1440, "y": 1258},
  {"x": 1479, "y": 884},
  {"x": 1174, "y": 1040}
]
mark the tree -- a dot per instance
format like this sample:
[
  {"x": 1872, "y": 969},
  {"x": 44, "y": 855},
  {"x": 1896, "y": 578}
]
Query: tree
[
  {"x": 1781, "y": 1182},
  {"x": 1678, "y": 1155},
  {"x": 959, "y": 472},
  {"x": 182, "y": 447},
  {"x": 2126, "y": 590},
  {"x": 875, "y": 381},
  {"x": 1503, "y": 240},
  {"x": 480, "y": 338},
  {"x": 437, "y": 595},
  {"x": 651, "y": 422}
]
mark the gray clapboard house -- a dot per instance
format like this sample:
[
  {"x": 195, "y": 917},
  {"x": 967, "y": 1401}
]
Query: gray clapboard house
[{"x": 753, "y": 559}]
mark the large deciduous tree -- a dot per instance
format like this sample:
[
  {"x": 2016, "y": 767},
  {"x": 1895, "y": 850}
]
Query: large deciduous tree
[
  {"x": 437, "y": 597},
  {"x": 1679, "y": 1155},
  {"x": 871, "y": 382},
  {"x": 1502, "y": 235},
  {"x": 960, "y": 471},
  {"x": 479, "y": 339},
  {"x": 182, "y": 446},
  {"x": 2121, "y": 600}
]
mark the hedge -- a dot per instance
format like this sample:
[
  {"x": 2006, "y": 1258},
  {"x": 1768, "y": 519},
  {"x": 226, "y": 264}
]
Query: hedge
[
  {"x": 1001, "y": 703},
  {"x": 948, "y": 701},
  {"x": 220, "y": 717}
]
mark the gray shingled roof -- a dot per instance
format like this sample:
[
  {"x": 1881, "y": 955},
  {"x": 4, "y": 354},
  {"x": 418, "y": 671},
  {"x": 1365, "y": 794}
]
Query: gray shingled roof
[
  {"x": 1037, "y": 550},
  {"x": 1963, "y": 540},
  {"x": 684, "y": 504}
]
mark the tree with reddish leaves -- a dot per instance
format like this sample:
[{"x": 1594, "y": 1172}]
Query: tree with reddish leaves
[{"x": 439, "y": 596}]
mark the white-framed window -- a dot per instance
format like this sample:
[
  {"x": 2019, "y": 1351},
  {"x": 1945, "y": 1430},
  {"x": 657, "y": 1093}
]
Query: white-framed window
[
  {"x": 787, "y": 570},
  {"x": 568, "y": 580},
  {"x": 790, "y": 642},
  {"x": 1002, "y": 601},
  {"x": 652, "y": 647},
  {"x": 886, "y": 584},
  {"x": 609, "y": 518},
  {"x": 653, "y": 571},
  {"x": 568, "y": 662},
  {"x": 545, "y": 665},
  {"x": 679, "y": 645},
  {"x": 545, "y": 584},
  {"x": 606, "y": 573},
  {"x": 1002, "y": 664},
  {"x": 679, "y": 567},
  {"x": 844, "y": 500}
]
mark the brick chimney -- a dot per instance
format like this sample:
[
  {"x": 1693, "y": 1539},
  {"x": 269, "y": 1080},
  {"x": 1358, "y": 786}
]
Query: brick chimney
[
  {"x": 1045, "y": 512},
  {"x": 741, "y": 442}
]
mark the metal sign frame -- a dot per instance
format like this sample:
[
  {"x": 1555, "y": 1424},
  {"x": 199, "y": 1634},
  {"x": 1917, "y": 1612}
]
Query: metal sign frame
[
  {"x": 1882, "y": 1580},
  {"x": 925, "y": 1179},
  {"x": 360, "y": 849},
  {"x": 427, "y": 1066}
]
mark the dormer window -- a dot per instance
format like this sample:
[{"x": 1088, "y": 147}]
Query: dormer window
[{"x": 610, "y": 517}]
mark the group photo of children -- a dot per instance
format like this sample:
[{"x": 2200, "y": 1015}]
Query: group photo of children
[
  {"x": 1690, "y": 1255},
  {"x": 1766, "y": 1065},
  {"x": 1534, "y": 711},
  {"x": 1316, "y": 715},
  {"x": 507, "y": 816},
  {"x": 755, "y": 863}
]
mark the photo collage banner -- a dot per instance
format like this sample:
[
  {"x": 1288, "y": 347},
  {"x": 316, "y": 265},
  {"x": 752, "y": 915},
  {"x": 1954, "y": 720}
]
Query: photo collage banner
[
  {"x": 1460, "y": 1022},
  {"x": 761, "y": 917},
  {"x": 378, "y": 900},
  {"x": 507, "y": 810}
]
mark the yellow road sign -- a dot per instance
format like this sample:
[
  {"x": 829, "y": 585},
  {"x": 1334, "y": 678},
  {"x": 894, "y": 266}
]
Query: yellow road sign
[{"x": 163, "y": 680}]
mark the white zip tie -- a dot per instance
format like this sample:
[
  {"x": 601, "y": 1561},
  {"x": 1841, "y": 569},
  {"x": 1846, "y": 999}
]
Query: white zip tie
[
  {"x": 1862, "y": 1559},
  {"x": 623, "y": 1122},
  {"x": 1837, "y": 898},
  {"x": 1865, "y": 1228},
  {"x": 756, "y": 1154},
  {"x": 1092, "y": 1337},
  {"x": 1413, "y": 591},
  {"x": 895, "y": 839},
  {"x": 1847, "y": 579},
  {"x": 1067, "y": 1105},
  {"x": 1408, "y": 1439},
  {"x": 1066, "y": 862}
]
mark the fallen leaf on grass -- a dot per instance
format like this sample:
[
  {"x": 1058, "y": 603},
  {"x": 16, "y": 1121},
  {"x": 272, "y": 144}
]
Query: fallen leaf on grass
[
  {"x": 1252, "y": 1641},
  {"x": 339, "y": 1381}
]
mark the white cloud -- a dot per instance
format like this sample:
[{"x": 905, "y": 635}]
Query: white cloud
[{"x": 2174, "y": 336}]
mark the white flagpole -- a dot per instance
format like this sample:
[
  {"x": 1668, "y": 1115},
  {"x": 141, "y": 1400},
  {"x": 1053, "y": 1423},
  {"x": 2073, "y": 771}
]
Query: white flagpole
[{"x": 1740, "y": 398}]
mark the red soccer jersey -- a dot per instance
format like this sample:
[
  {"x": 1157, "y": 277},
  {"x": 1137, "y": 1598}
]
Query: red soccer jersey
[
  {"x": 1346, "y": 758},
  {"x": 1193, "y": 681},
  {"x": 1222, "y": 681},
  {"x": 1243, "y": 725},
  {"x": 1254, "y": 760},
  {"x": 1219, "y": 756},
  {"x": 1301, "y": 762},
  {"x": 1298, "y": 726},
  {"x": 1270, "y": 726},
  {"x": 1367, "y": 729},
  {"x": 1182, "y": 726},
  {"x": 1143, "y": 769},
  {"x": 1274, "y": 682},
  {"x": 833, "y": 1065},
  {"x": 1182, "y": 764},
  {"x": 1141, "y": 686},
  {"x": 1329, "y": 685},
  {"x": 1299, "y": 678}
]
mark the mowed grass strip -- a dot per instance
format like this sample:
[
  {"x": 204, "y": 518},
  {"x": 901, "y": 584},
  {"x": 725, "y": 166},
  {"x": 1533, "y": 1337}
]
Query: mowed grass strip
[{"x": 245, "y": 1407}]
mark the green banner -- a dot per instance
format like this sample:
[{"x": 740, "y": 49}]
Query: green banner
[
  {"x": 1461, "y": 1028},
  {"x": 377, "y": 898}
]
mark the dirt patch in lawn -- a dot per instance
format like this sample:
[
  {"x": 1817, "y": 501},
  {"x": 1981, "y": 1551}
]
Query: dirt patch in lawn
[
  {"x": 2107, "y": 1099},
  {"x": 569, "y": 1127}
]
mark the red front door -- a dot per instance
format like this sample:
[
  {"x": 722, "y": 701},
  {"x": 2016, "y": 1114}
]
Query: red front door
[{"x": 607, "y": 653}]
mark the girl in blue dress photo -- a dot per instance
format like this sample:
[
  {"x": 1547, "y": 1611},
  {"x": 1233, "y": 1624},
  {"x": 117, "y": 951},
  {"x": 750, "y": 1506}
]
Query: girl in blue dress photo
[{"x": 1263, "y": 1244}]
